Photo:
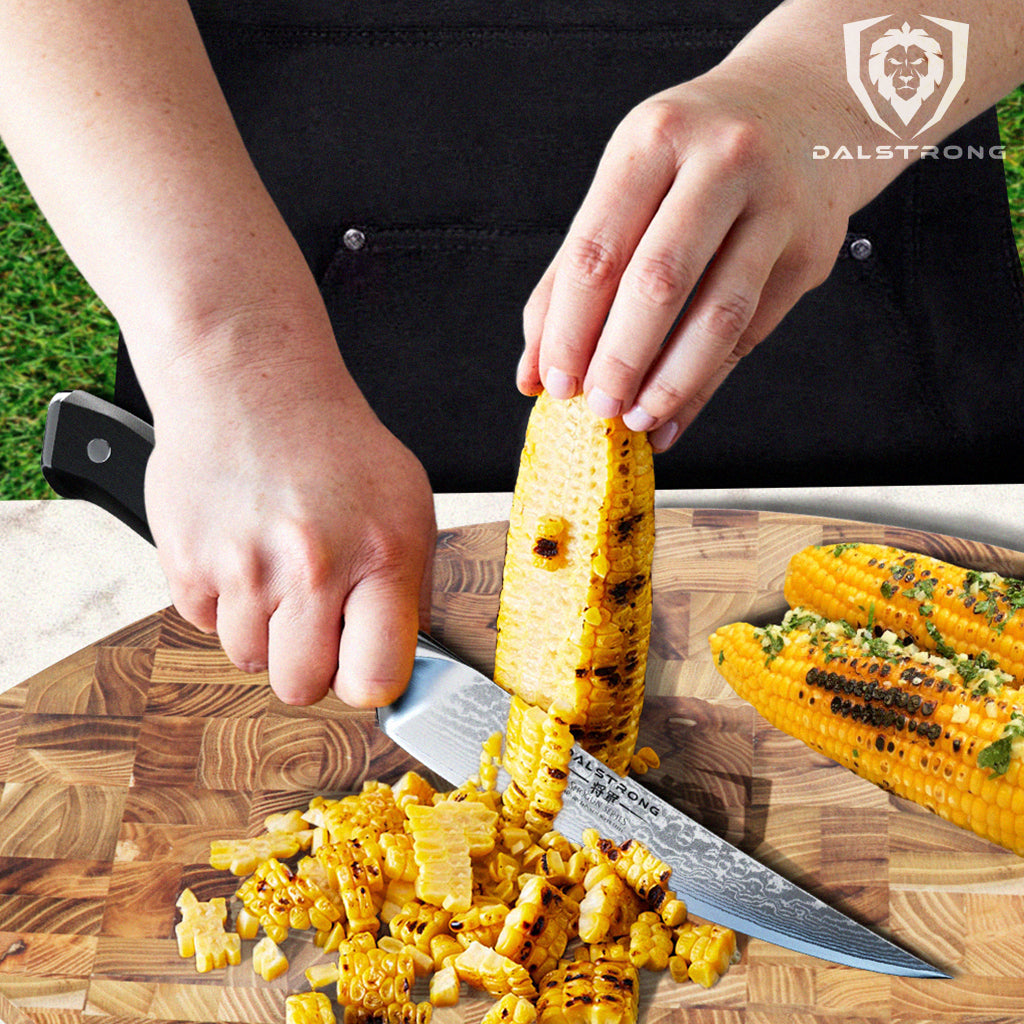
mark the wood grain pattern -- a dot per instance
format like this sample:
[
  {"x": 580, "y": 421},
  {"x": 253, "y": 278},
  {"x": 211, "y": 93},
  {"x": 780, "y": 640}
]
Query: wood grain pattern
[{"x": 119, "y": 765}]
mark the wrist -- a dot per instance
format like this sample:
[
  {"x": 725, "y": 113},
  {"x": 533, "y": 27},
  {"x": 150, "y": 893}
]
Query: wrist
[{"x": 270, "y": 355}]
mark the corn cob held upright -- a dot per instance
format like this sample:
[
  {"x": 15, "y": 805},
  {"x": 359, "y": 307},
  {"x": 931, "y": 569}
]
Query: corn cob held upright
[
  {"x": 939, "y": 606},
  {"x": 575, "y": 609},
  {"x": 939, "y": 731}
]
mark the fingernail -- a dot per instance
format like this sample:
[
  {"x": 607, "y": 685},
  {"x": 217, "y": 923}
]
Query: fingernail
[
  {"x": 639, "y": 419},
  {"x": 603, "y": 405},
  {"x": 559, "y": 384},
  {"x": 665, "y": 434}
]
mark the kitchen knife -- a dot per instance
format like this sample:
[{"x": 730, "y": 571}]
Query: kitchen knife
[{"x": 96, "y": 451}]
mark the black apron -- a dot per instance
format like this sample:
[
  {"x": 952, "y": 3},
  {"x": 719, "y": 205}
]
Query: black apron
[{"x": 429, "y": 156}]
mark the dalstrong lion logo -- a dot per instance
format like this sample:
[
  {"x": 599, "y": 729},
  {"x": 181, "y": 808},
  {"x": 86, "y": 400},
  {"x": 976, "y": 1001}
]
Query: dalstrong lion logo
[{"x": 906, "y": 76}]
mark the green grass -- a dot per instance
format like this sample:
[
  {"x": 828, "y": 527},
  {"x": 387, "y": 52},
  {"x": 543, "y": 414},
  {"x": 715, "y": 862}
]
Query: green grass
[
  {"x": 55, "y": 334},
  {"x": 1011, "y": 128}
]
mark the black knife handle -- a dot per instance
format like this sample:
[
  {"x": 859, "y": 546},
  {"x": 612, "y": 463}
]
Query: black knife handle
[{"x": 96, "y": 451}]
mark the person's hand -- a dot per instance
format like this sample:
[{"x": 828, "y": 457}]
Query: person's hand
[
  {"x": 280, "y": 506},
  {"x": 716, "y": 174}
]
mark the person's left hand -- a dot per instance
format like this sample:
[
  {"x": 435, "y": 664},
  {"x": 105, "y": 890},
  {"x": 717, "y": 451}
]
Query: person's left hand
[{"x": 711, "y": 178}]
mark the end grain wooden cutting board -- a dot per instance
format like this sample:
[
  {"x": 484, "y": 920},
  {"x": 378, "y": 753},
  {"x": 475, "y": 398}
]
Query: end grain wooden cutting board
[{"x": 119, "y": 764}]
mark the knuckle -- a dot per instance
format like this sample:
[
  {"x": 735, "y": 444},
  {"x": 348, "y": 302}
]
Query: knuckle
[
  {"x": 656, "y": 124},
  {"x": 660, "y": 280},
  {"x": 727, "y": 316},
  {"x": 306, "y": 554},
  {"x": 742, "y": 145},
  {"x": 593, "y": 263},
  {"x": 662, "y": 396},
  {"x": 617, "y": 371}
]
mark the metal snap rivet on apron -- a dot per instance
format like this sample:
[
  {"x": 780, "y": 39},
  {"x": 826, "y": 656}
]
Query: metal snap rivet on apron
[
  {"x": 98, "y": 449},
  {"x": 354, "y": 239},
  {"x": 861, "y": 248}
]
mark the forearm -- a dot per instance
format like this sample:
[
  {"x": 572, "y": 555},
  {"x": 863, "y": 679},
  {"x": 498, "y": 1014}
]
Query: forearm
[
  {"x": 798, "y": 51},
  {"x": 115, "y": 119}
]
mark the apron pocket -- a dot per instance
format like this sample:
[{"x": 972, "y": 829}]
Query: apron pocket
[{"x": 429, "y": 322}]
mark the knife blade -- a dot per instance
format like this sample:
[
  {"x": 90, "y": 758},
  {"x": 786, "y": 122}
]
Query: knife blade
[{"x": 96, "y": 451}]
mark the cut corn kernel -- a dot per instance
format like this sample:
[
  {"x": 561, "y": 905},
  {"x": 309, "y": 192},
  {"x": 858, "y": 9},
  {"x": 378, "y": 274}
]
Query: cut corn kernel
[
  {"x": 201, "y": 933},
  {"x": 510, "y": 1009},
  {"x": 308, "y": 1008},
  {"x": 268, "y": 961}
]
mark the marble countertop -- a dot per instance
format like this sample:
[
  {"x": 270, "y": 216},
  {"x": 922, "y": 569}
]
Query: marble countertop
[{"x": 70, "y": 573}]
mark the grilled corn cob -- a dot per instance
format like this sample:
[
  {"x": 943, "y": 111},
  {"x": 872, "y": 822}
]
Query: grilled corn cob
[
  {"x": 575, "y": 608},
  {"x": 939, "y": 606},
  {"x": 905, "y": 719}
]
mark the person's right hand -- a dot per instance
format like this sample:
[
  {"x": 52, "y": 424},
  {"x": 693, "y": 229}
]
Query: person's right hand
[{"x": 280, "y": 506}]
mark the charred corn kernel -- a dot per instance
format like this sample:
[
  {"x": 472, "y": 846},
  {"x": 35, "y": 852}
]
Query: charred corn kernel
[
  {"x": 510, "y": 1009},
  {"x": 320, "y": 975},
  {"x": 940, "y": 606},
  {"x": 445, "y": 836},
  {"x": 608, "y": 907},
  {"x": 705, "y": 950},
  {"x": 482, "y": 923},
  {"x": 575, "y": 629},
  {"x": 268, "y": 961},
  {"x": 602, "y": 991},
  {"x": 538, "y": 928},
  {"x": 650, "y": 942},
  {"x": 357, "y": 873},
  {"x": 487, "y": 969},
  {"x": 891, "y": 714},
  {"x": 445, "y": 987},
  {"x": 644, "y": 872},
  {"x": 308, "y": 1008},
  {"x": 552, "y": 773},
  {"x": 643, "y": 760},
  {"x": 413, "y": 788},
  {"x": 201, "y": 933},
  {"x": 242, "y": 856},
  {"x": 417, "y": 923}
]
